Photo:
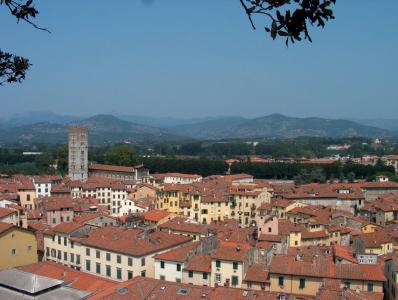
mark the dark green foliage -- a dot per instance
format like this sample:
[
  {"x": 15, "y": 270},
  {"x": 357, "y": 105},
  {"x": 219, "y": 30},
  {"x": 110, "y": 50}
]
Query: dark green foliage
[
  {"x": 290, "y": 24},
  {"x": 307, "y": 176},
  {"x": 202, "y": 166},
  {"x": 306, "y": 173},
  {"x": 62, "y": 160},
  {"x": 12, "y": 67},
  {"x": 121, "y": 155}
]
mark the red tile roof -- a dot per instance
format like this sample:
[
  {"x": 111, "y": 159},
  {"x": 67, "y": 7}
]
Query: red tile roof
[
  {"x": 4, "y": 212},
  {"x": 199, "y": 263},
  {"x": 240, "y": 176},
  {"x": 67, "y": 227},
  {"x": 5, "y": 227},
  {"x": 140, "y": 288},
  {"x": 330, "y": 290},
  {"x": 111, "y": 168},
  {"x": 131, "y": 241},
  {"x": 231, "y": 252},
  {"x": 155, "y": 215},
  {"x": 345, "y": 253},
  {"x": 323, "y": 266},
  {"x": 179, "y": 254},
  {"x": 182, "y": 224},
  {"x": 163, "y": 175},
  {"x": 257, "y": 273},
  {"x": 78, "y": 280},
  {"x": 57, "y": 203},
  {"x": 375, "y": 239}
]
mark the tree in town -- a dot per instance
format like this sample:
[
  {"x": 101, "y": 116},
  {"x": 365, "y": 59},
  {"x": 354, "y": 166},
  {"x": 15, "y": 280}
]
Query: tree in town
[{"x": 121, "y": 155}]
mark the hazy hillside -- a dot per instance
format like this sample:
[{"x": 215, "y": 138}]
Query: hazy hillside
[
  {"x": 36, "y": 117},
  {"x": 212, "y": 129},
  {"x": 389, "y": 124},
  {"x": 279, "y": 126},
  {"x": 102, "y": 129},
  {"x": 163, "y": 122},
  {"x": 110, "y": 129}
]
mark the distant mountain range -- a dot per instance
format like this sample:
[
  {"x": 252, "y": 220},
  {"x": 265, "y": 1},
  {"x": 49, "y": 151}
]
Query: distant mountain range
[
  {"x": 389, "y": 124},
  {"x": 45, "y": 127},
  {"x": 279, "y": 126},
  {"x": 103, "y": 129}
]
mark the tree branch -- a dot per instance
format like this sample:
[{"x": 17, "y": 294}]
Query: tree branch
[{"x": 248, "y": 14}]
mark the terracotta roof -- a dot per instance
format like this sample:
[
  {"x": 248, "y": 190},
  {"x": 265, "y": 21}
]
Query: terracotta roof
[
  {"x": 179, "y": 254},
  {"x": 60, "y": 188},
  {"x": 330, "y": 290},
  {"x": 240, "y": 176},
  {"x": 140, "y": 288},
  {"x": 265, "y": 206},
  {"x": 359, "y": 272},
  {"x": 39, "y": 228},
  {"x": 183, "y": 224},
  {"x": 325, "y": 268},
  {"x": 270, "y": 238},
  {"x": 257, "y": 273},
  {"x": 4, "y": 212},
  {"x": 285, "y": 227},
  {"x": 88, "y": 216},
  {"x": 57, "y": 203},
  {"x": 375, "y": 239},
  {"x": 163, "y": 175},
  {"x": 111, "y": 168},
  {"x": 314, "y": 234},
  {"x": 264, "y": 245},
  {"x": 199, "y": 263},
  {"x": 34, "y": 214},
  {"x": 344, "y": 252},
  {"x": 67, "y": 227},
  {"x": 26, "y": 185},
  {"x": 155, "y": 215},
  {"x": 231, "y": 252},
  {"x": 131, "y": 241},
  {"x": 5, "y": 227},
  {"x": 78, "y": 280}
]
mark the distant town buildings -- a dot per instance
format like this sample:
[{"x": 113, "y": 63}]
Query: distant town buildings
[{"x": 118, "y": 232}]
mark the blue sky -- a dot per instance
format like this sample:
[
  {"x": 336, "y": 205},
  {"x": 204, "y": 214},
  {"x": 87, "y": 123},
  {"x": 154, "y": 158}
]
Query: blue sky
[{"x": 200, "y": 58}]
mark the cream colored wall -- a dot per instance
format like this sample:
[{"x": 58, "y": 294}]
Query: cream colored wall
[
  {"x": 335, "y": 238},
  {"x": 369, "y": 228},
  {"x": 20, "y": 240},
  {"x": 312, "y": 285},
  {"x": 295, "y": 239},
  {"x": 50, "y": 244},
  {"x": 196, "y": 279},
  {"x": 79, "y": 249},
  {"x": 215, "y": 211},
  {"x": 169, "y": 272},
  {"x": 226, "y": 270},
  {"x": 384, "y": 249},
  {"x": 363, "y": 285},
  {"x": 11, "y": 218},
  {"x": 169, "y": 200},
  {"x": 256, "y": 286},
  {"x": 142, "y": 192},
  {"x": 291, "y": 284}
]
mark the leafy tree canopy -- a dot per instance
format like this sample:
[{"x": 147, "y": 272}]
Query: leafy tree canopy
[{"x": 121, "y": 155}]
